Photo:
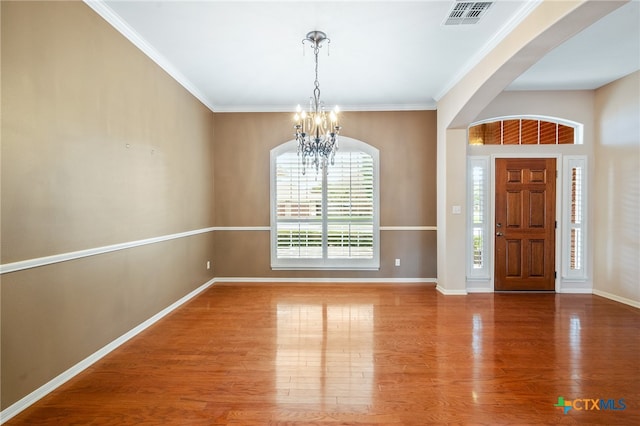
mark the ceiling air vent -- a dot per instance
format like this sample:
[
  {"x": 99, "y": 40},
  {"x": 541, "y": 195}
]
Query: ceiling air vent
[{"x": 467, "y": 12}]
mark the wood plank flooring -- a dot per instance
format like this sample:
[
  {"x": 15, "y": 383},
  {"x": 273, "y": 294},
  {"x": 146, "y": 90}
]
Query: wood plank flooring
[{"x": 313, "y": 354}]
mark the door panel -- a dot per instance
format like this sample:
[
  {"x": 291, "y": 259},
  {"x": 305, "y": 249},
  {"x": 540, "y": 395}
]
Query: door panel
[
  {"x": 537, "y": 264},
  {"x": 514, "y": 209},
  {"x": 537, "y": 209},
  {"x": 525, "y": 224},
  {"x": 514, "y": 254}
]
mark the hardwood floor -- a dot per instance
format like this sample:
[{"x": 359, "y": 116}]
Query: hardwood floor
[{"x": 256, "y": 354}]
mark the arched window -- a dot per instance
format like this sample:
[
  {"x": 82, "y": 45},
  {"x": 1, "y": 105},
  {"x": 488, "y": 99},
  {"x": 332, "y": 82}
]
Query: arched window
[
  {"x": 325, "y": 221},
  {"x": 525, "y": 130}
]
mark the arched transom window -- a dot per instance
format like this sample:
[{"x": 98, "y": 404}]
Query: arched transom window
[{"x": 525, "y": 130}]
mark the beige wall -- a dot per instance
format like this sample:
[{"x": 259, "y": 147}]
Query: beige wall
[
  {"x": 617, "y": 189},
  {"x": 407, "y": 144},
  {"x": 547, "y": 26},
  {"x": 99, "y": 147}
]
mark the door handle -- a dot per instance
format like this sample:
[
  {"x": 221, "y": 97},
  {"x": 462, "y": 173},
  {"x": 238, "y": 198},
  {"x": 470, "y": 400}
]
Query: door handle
[{"x": 498, "y": 234}]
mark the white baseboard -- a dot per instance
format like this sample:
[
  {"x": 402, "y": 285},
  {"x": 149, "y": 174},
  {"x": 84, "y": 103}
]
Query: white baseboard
[
  {"x": 62, "y": 378},
  {"x": 447, "y": 292},
  {"x": 272, "y": 280},
  {"x": 480, "y": 290},
  {"x": 611, "y": 296},
  {"x": 575, "y": 286},
  {"x": 572, "y": 290},
  {"x": 479, "y": 286}
]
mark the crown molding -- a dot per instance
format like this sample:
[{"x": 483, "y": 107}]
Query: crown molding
[
  {"x": 347, "y": 108},
  {"x": 116, "y": 21}
]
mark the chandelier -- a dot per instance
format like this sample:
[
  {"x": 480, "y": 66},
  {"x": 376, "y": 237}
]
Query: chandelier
[{"x": 316, "y": 131}]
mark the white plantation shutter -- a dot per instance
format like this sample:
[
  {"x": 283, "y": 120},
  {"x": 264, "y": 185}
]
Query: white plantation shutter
[
  {"x": 325, "y": 221},
  {"x": 574, "y": 218},
  {"x": 299, "y": 210},
  {"x": 477, "y": 218},
  {"x": 350, "y": 206}
]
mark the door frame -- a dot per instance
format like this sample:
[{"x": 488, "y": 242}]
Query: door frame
[{"x": 558, "y": 213}]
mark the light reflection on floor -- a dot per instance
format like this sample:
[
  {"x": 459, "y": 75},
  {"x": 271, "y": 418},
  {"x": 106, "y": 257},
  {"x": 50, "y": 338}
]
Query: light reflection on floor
[{"x": 324, "y": 354}]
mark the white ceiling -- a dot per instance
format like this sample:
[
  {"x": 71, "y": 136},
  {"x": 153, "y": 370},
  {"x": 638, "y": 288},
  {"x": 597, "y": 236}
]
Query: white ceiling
[{"x": 384, "y": 55}]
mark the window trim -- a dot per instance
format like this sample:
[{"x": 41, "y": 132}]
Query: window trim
[{"x": 345, "y": 145}]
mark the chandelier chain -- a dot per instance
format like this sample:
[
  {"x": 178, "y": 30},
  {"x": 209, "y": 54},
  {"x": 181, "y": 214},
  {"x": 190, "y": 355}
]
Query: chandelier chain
[{"x": 316, "y": 90}]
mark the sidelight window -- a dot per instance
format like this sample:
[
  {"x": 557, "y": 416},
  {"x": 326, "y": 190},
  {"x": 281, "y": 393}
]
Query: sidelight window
[
  {"x": 478, "y": 218},
  {"x": 574, "y": 237}
]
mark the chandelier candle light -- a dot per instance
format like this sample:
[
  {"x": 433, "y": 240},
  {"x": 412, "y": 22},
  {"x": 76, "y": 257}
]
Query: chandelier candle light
[{"x": 316, "y": 131}]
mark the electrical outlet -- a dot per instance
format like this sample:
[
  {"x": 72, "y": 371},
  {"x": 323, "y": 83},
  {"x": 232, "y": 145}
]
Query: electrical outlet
[
  {"x": 208, "y": 264},
  {"x": 397, "y": 262}
]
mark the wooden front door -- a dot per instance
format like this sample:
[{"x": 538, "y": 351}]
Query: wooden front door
[{"x": 525, "y": 224}]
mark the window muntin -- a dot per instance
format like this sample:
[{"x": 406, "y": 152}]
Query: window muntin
[{"x": 325, "y": 221}]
